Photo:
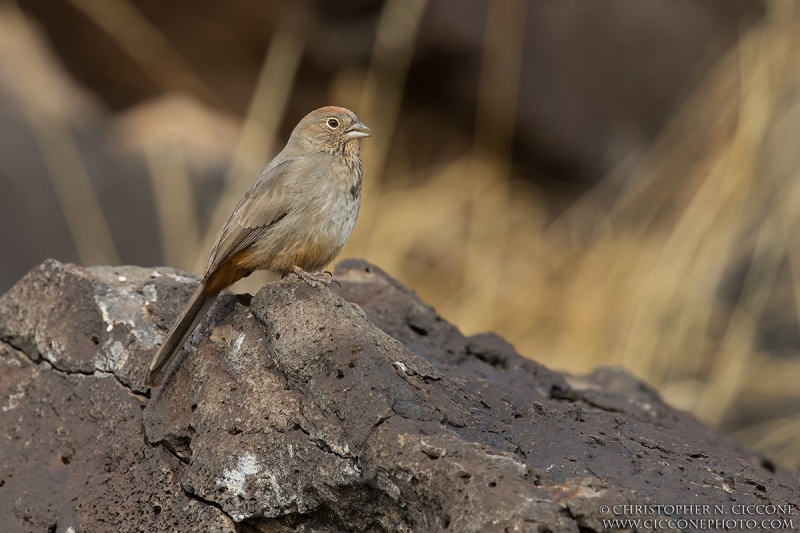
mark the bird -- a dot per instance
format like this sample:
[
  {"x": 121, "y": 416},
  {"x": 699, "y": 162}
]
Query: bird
[{"x": 295, "y": 218}]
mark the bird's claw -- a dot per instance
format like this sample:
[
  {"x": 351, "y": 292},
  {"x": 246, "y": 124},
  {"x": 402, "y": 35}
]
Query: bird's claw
[
  {"x": 329, "y": 281},
  {"x": 313, "y": 278}
]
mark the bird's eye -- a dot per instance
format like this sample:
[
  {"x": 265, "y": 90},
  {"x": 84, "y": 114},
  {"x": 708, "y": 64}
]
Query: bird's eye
[{"x": 333, "y": 123}]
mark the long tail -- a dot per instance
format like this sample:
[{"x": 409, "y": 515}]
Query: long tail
[{"x": 195, "y": 310}]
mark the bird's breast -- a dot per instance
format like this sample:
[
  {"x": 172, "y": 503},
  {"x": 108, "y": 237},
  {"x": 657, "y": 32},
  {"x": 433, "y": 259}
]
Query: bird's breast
[{"x": 341, "y": 212}]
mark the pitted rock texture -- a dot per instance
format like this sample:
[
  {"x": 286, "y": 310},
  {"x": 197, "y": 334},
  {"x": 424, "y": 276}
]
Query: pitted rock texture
[{"x": 318, "y": 410}]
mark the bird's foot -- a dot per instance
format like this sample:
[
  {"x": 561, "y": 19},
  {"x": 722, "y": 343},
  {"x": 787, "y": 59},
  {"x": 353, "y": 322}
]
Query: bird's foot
[{"x": 313, "y": 278}]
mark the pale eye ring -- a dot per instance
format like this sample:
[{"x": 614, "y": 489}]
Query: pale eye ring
[{"x": 333, "y": 123}]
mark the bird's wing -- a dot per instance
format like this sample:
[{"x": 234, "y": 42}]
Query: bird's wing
[{"x": 262, "y": 206}]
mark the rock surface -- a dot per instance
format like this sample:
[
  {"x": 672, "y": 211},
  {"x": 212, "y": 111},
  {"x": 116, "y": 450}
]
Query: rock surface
[{"x": 301, "y": 409}]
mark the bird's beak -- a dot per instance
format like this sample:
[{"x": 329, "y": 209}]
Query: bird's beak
[{"x": 358, "y": 130}]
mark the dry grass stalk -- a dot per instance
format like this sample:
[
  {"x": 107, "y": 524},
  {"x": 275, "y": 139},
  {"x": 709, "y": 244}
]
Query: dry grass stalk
[
  {"x": 146, "y": 45},
  {"x": 380, "y": 102},
  {"x": 180, "y": 138},
  {"x": 488, "y": 177},
  {"x": 31, "y": 75},
  {"x": 172, "y": 188}
]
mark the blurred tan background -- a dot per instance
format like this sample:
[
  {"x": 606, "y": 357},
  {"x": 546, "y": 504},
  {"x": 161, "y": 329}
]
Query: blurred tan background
[{"x": 603, "y": 183}]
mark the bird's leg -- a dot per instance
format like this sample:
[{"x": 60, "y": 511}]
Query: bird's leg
[{"x": 312, "y": 278}]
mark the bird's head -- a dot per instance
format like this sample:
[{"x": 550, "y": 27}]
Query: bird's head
[{"x": 333, "y": 129}]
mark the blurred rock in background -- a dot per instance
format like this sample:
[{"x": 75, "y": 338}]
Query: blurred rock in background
[{"x": 600, "y": 182}]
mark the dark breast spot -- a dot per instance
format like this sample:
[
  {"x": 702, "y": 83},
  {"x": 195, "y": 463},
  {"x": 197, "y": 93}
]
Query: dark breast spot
[{"x": 355, "y": 191}]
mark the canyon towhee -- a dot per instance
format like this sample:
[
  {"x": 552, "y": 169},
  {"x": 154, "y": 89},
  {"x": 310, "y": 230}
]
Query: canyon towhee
[{"x": 296, "y": 217}]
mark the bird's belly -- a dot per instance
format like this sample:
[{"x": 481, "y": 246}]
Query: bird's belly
[{"x": 310, "y": 239}]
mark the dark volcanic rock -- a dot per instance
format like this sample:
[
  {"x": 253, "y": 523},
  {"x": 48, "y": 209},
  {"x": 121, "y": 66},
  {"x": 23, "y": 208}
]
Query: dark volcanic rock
[{"x": 301, "y": 411}]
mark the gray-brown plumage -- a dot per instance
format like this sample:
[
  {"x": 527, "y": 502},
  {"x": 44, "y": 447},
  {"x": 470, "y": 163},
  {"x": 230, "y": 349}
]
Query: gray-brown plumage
[{"x": 296, "y": 217}]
